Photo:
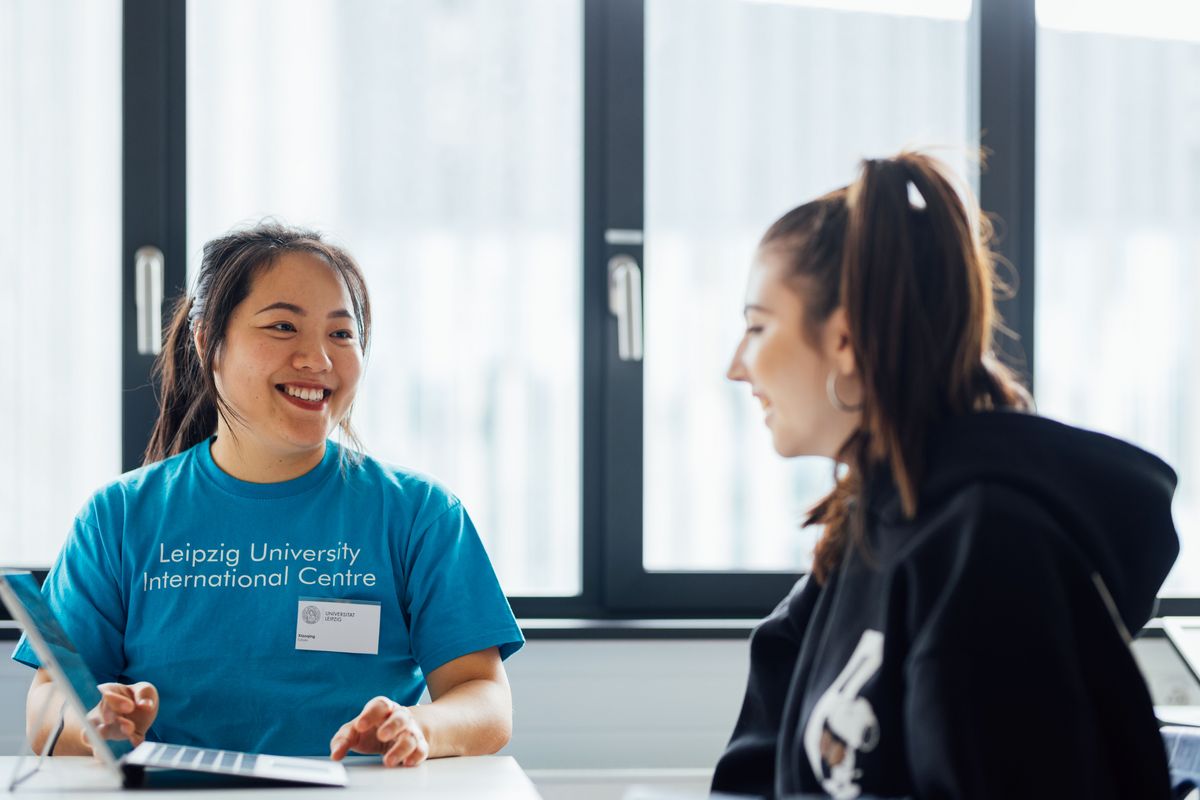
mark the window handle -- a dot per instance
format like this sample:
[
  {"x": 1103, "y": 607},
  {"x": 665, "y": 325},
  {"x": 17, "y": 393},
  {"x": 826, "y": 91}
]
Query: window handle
[
  {"x": 625, "y": 303},
  {"x": 148, "y": 291}
]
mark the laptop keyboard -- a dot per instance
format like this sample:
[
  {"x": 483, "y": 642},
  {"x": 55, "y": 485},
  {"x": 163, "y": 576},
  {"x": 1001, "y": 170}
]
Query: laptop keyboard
[{"x": 173, "y": 755}]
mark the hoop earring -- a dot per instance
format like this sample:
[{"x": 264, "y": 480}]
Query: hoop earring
[{"x": 834, "y": 400}]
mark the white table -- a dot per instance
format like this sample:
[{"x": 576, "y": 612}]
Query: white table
[{"x": 443, "y": 778}]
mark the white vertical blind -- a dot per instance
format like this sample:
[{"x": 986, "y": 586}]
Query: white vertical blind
[
  {"x": 1118, "y": 229},
  {"x": 60, "y": 240}
]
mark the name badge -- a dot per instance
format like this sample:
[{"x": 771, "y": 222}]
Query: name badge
[{"x": 338, "y": 626}]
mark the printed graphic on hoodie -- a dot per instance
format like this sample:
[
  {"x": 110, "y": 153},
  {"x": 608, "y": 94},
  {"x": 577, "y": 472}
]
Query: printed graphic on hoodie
[{"x": 843, "y": 724}]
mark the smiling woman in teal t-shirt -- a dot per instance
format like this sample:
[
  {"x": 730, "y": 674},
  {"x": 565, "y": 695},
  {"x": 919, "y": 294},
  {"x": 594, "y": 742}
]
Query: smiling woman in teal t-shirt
[{"x": 257, "y": 587}]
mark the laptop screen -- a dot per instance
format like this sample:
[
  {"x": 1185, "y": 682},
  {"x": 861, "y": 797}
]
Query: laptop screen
[
  {"x": 1184, "y": 634},
  {"x": 51, "y": 643}
]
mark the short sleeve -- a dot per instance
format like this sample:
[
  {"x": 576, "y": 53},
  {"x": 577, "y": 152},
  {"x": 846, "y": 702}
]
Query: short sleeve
[
  {"x": 453, "y": 598},
  {"x": 83, "y": 591}
]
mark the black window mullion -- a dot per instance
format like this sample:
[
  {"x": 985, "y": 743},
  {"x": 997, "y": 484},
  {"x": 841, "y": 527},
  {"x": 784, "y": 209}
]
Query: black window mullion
[
  {"x": 622, "y": 203},
  {"x": 629, "y": 589},
  {"x": 597, "y": 33},
  {"x": 153, "y": 190},
  {"x": 1007, "y": 64}
]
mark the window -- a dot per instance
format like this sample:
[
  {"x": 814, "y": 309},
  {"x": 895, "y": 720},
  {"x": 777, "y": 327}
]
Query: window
[
  {"x": 751, "y": 109},
  {"x": 441, "y": 143},
  {"x": 60, "y": 223},
  {"x": 486, "y": 163},
  {"x": 1118, "y": 210}
]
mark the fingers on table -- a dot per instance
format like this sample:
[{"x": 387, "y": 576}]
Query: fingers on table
[
  {"x": 402, "y": 739},
  {"x": 144, "y": 695},
  {"x": 116, "y": 728},
  {"x": 115, "y": 698},
  {"x": 374, "y": 713},
  {"x": 346, "y": 737},
  {"x": 397, "y": 720},
  {"x": 399, "y": 738},
  {"x": 115, "y": 702},
  {"x": 408, "y": 748}
]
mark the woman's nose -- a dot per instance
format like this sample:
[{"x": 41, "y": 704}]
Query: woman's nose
[
  {"x": 312, "y": 357},
  {"x": 736, "y": 371}
]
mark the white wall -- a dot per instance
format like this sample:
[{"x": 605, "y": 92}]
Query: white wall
[
  {"x": 592, "y": 717},
  {"x": 625, "y": 704}
]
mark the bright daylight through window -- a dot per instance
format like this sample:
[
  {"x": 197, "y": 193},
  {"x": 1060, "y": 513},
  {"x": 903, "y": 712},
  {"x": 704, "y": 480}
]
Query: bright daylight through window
[
  {"x": 751, "y": 109},
  {"x": 445, "y": 154},
  {"x": 1118, "y": 256}
]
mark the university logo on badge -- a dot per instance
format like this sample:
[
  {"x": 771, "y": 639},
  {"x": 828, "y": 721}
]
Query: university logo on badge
[{"x": 311, "y": 615}]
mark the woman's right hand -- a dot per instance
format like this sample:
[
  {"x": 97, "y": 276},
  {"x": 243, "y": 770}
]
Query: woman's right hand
[{"x": 124, "y": 711}]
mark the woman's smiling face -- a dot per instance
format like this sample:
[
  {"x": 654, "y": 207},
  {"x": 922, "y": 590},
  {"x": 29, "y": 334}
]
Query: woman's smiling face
[
  {"x": 787, "y": 370},
  {"x": 291, "y": 360}
]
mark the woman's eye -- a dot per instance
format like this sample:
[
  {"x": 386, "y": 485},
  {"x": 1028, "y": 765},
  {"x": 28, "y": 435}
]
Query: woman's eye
[
  {"x": 754, "y": 329},
  {"x": 343, "y": 334},
  {"x": 284, "y": 327}
]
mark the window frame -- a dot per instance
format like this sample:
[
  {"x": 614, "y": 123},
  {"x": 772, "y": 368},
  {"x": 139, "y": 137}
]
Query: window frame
[
  {"x": 1002, "y": 36},
  {"x": 153, "y": 190},
  {"x": 614, "y": 582}
]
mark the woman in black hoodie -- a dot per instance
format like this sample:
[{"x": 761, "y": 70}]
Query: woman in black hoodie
[{"x": 964, "y": 632}]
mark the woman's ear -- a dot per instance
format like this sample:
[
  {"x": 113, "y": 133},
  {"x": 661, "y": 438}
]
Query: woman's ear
[{"x": 839, "y": 348}]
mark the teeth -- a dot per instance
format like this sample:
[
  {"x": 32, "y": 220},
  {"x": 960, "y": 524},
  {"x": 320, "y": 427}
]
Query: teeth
[{"x": 311, "y": 395}]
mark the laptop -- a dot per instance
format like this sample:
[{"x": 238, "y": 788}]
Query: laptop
[
  {"x": 1184, "y": 635},
  {"x": 150, "y": 763}
]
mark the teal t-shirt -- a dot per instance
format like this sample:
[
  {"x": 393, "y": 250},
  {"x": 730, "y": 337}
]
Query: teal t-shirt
[{"x": 183, "y": 576}]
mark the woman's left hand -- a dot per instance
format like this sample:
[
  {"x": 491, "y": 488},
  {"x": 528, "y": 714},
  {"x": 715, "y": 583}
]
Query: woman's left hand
[{"x": 384, "y": 726}]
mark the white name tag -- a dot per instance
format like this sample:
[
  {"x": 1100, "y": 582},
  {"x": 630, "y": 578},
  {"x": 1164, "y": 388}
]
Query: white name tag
[{"x": 338, "y": 626}]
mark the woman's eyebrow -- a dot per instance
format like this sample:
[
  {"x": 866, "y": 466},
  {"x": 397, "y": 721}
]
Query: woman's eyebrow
[
  {"x": 755, "y": 307},
  {"x": 295, "y": 309}
]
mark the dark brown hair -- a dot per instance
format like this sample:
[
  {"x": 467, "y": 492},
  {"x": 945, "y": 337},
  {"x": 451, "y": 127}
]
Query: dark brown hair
[
  {"x": 907, "y": 256},
  {"x": 189, "y": 401}
]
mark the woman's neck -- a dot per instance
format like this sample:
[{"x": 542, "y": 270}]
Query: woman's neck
[{"x": 245, "y": 458}]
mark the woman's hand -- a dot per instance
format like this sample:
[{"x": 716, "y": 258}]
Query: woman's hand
[
  {"x": 386, "y": 727},
  {"x": 124, "y": 711}
]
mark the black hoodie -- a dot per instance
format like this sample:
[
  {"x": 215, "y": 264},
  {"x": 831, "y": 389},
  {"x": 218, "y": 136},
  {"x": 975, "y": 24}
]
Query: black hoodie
[{"x": 978, "y": 650}]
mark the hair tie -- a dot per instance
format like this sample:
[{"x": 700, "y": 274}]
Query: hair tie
[
  {"x": 915, "y": 198},
  {"x": 195, "y": 312}
]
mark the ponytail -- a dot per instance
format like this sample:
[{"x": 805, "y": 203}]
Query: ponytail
[
  {"x": 917, "y": 284},
  {"x": 904, "y": 287},
  {"x": 915, "y": 276},
  {"x": 187, "y": 412}
]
